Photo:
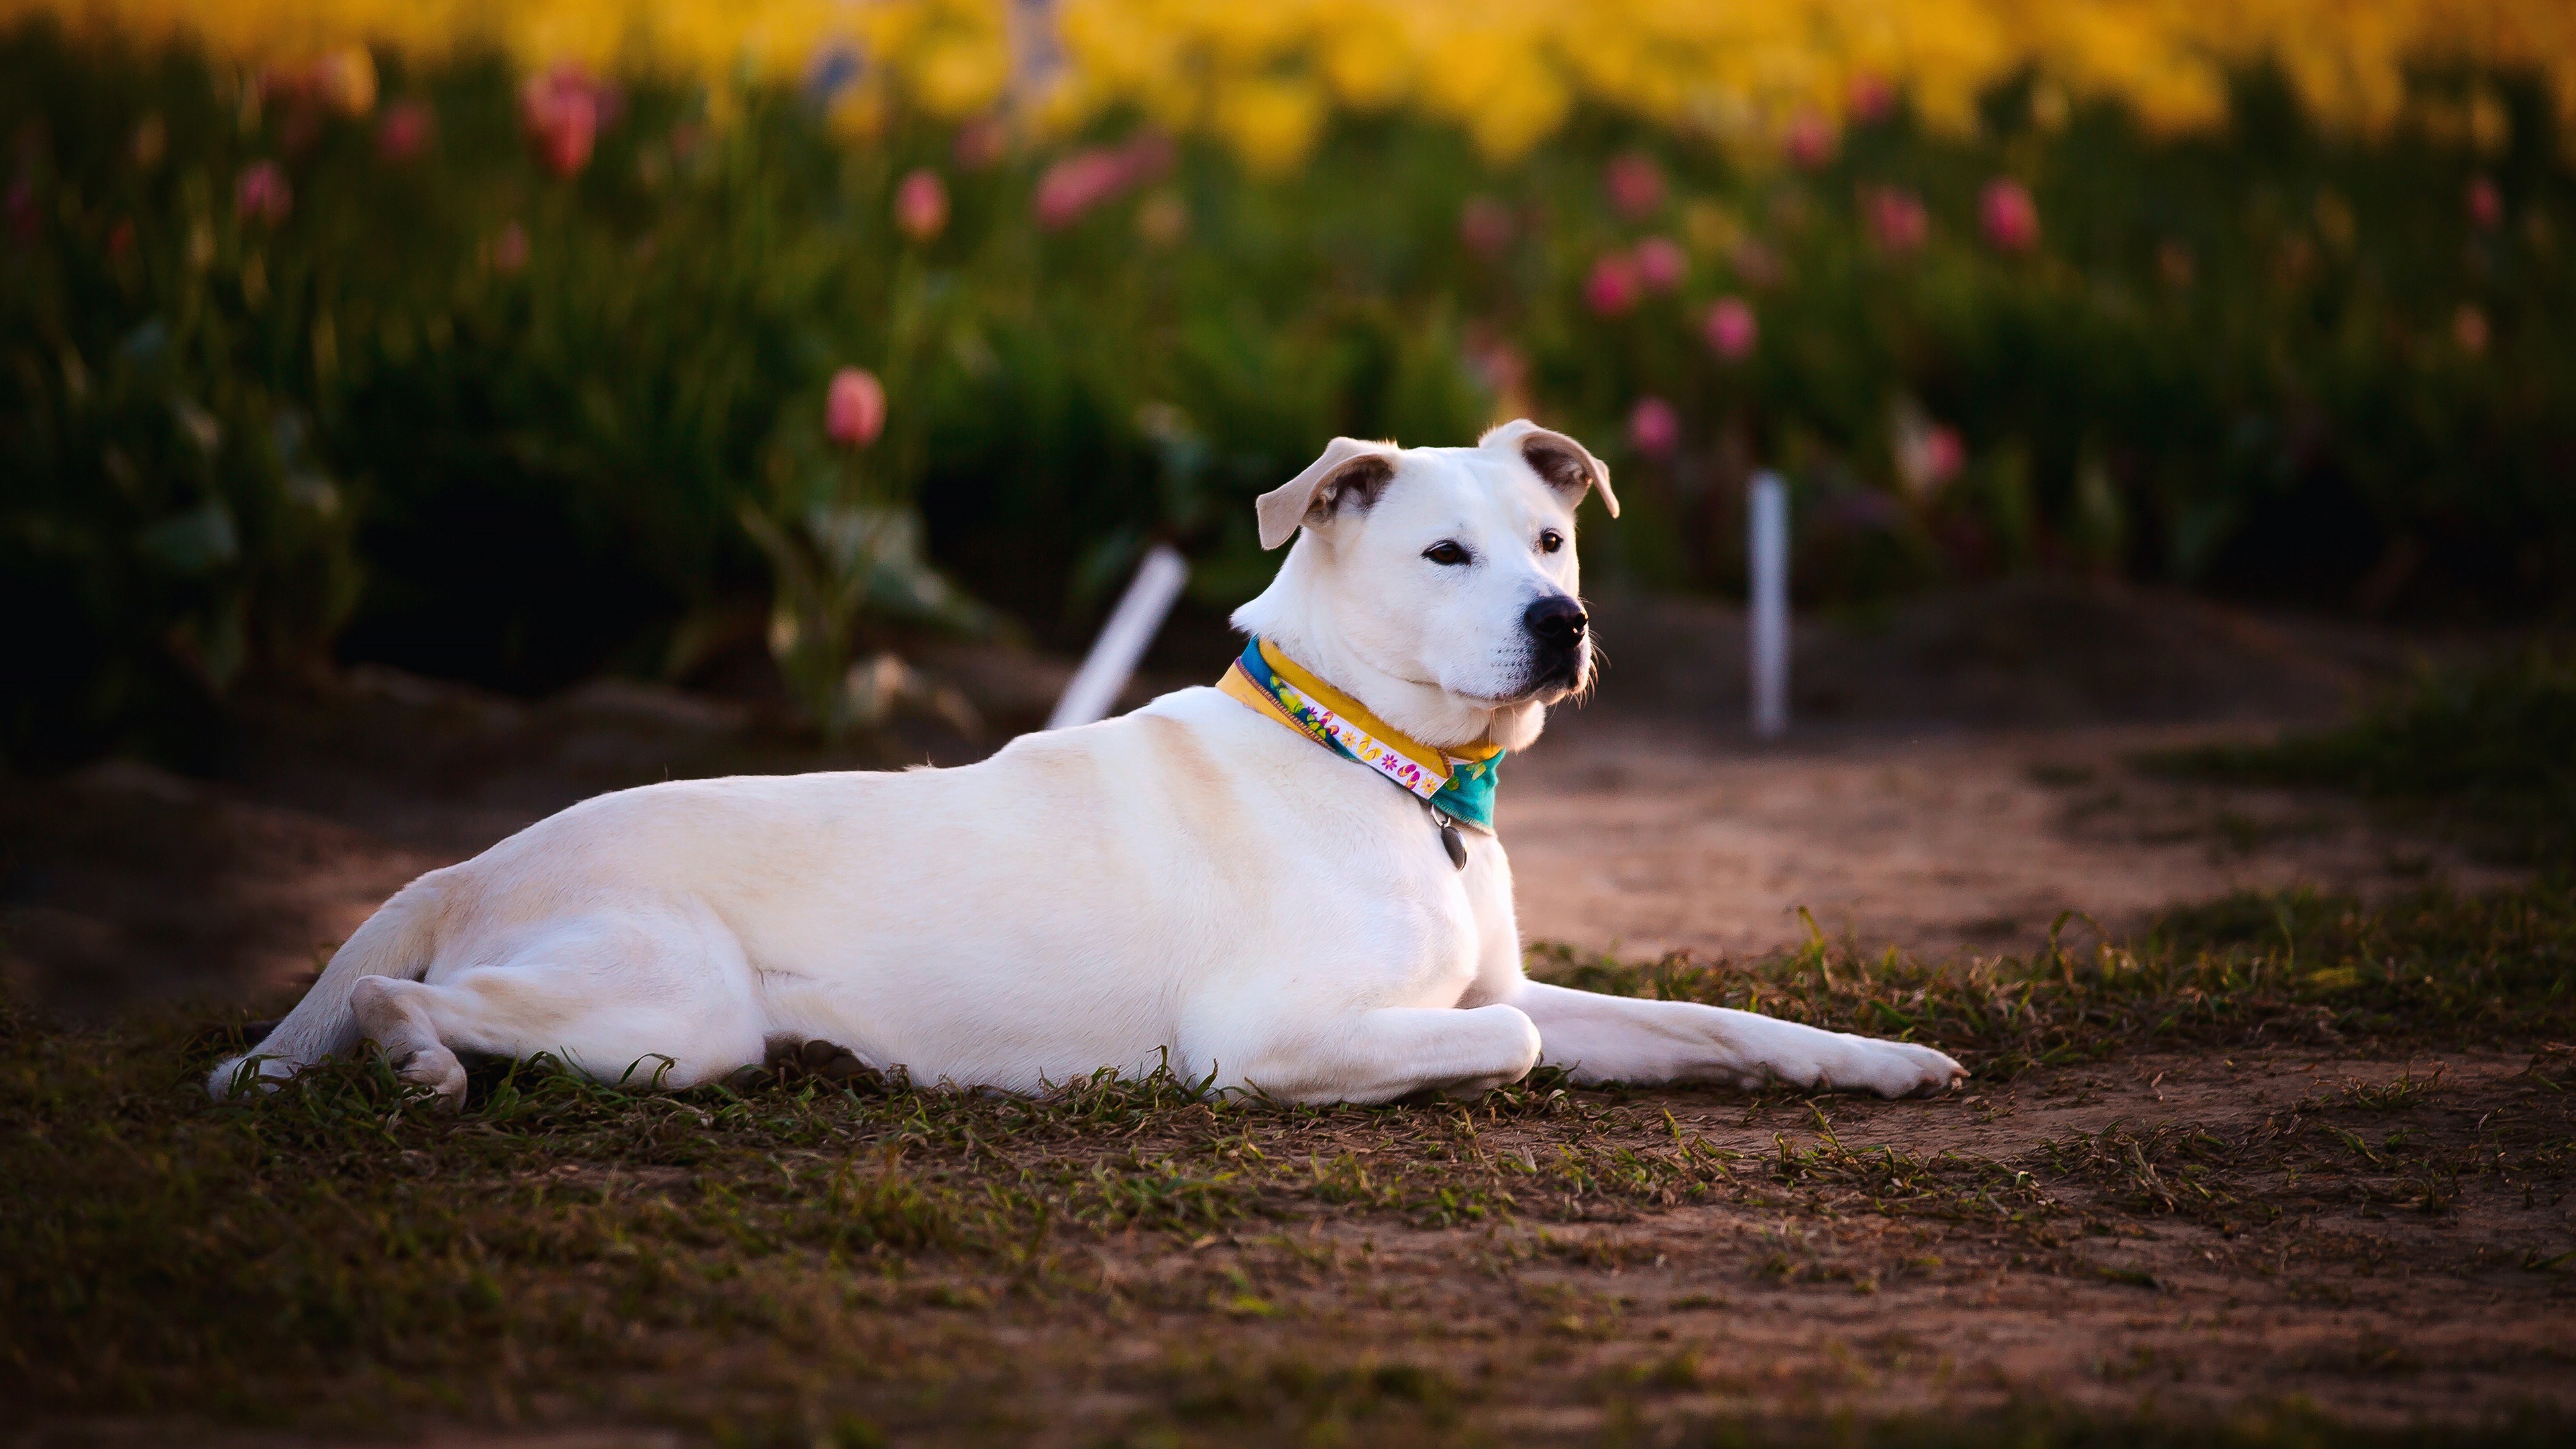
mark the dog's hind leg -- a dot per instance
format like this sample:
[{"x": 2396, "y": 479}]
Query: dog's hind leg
[
  {"x": 393, "y": 1015},
  {"x": 656, "y": 996}
]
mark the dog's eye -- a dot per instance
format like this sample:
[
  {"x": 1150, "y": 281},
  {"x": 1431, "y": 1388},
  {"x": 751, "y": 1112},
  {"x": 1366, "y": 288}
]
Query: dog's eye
[
  {"x": 1549, "y": 540},
  {"x": 1446, "y": 554}
]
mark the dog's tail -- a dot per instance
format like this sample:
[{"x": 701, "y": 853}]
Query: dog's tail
[{"x": 395, "y": 941}]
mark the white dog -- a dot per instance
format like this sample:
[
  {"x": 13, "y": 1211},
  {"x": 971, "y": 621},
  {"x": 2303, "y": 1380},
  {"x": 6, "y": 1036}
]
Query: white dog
[{"x": 1280, "y": 883}]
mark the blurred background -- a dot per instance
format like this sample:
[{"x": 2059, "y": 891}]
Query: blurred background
[{"x": 828, "y": 365}]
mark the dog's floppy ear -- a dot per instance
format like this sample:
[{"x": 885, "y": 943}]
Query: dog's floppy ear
[
  {"x": 1350, "y": 472},
  {"x": 1561, "y": 463}
]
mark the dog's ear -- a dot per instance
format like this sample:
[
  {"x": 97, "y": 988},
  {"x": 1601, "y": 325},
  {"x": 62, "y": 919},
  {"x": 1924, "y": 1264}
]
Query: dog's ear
[
  {"x": 1563, "y": 464},
  {"x": 1350, "y": 474}
]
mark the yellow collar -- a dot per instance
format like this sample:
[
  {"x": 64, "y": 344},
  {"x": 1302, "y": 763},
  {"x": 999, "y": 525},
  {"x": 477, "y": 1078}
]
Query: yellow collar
[
  {"x": 1437, "y": 761},
  {"x": 1459, "y": 784}
]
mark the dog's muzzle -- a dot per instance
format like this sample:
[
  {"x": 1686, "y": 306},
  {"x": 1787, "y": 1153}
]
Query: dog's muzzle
[{"x": 1556, "y": 625}]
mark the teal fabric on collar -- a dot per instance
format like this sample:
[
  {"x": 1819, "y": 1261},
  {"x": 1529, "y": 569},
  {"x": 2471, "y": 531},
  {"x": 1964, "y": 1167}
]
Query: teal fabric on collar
[{"x": 1469, "y": 795}]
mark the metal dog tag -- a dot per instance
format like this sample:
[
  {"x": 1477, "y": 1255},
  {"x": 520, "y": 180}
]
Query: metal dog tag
[{"x": 1450, "y": 840}]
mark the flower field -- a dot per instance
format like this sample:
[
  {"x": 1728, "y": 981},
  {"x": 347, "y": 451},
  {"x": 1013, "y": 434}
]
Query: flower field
[{"x": 515, "y": 343}]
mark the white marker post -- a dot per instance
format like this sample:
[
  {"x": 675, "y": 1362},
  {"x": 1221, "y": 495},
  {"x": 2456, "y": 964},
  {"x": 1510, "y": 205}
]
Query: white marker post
[
  {"x": 1767, "y": 538},
  {"x": 1095, "y": 687}
]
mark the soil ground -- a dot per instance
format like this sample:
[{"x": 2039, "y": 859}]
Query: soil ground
[{"x": 2191, "y": 1235}]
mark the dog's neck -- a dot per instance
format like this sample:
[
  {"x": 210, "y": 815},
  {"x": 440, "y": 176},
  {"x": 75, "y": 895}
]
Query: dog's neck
[{"x": 1285, "y": 615}]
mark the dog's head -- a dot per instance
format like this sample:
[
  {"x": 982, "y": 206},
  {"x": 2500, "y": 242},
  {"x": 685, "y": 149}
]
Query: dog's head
[{"x": 1438, "y": 585}]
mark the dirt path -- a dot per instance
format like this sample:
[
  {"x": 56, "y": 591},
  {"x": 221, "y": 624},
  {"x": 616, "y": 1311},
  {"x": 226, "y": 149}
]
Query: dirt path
[
  {"x": 1640, "y": 837},
  {"x": 1959, "y": 773},
  {"x": 2231, "y": 1232}
]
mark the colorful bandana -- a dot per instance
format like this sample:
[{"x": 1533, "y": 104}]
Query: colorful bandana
[{"x": 1460, "y": 786}]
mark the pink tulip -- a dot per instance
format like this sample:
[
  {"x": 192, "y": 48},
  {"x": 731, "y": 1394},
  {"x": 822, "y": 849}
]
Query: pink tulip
[
  {"x": 1073, "y": 186},
  {"x": 1495, "y": 361},
  {"x": 26, "y": 218},
  {"x": 1809, "y": 141},
  {"x": 921, "y": 205},
  {"x": 1635, "y": 184},
  {"x": 260, "y": 193},
  {"x": 1897, "y": 221},
  {"x": 1869, "y": 98},
  {"x": 2008, "y": 215},
  {"x": 1087, "y": 178},
  {"x": 1612, "y": 287},
  {"x": 2174, "y": 263},
  {"x": 2486, "y": 204},
  {"x": 564, "y": 140},
  {"x": 510, "y": 250},
  {"x": 1755, "y": 263},
  {"x": 405, "y": 131},
  {"x": 1654, "y": 429},
  {"x": 281, "y": 85},
  {"x": 981, "y": 142},
  {"x": 2469, "y": 329},
  {"x": 1146, "y": 156},
  {"x": 854, "y": 410},
  {"x": 1485, "y": 225},
  {"x": 1661, "y": 263},
  {"x": 563, "y": 112},
  {"x": 1731, "y": 329}
]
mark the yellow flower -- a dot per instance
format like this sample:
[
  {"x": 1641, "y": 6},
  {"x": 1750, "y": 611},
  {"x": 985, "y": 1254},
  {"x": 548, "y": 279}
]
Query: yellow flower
[
  {"x": 959, "y": 75},
  {"x": 1271, "y": 122},
  {"x": 346, "y": 79},
  {"x": 1265, "y": 75}
]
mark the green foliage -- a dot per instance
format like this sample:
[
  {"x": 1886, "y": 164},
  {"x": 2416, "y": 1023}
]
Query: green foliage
[
  {"x": 2492, "y": 748},
  {"x": 458, "y": 413}
]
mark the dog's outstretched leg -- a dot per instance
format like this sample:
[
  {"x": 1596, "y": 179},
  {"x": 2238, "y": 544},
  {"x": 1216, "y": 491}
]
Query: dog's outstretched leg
[
  {"x": 1395, "y": 1051},
  {"x": 1620, "y": 1039}
]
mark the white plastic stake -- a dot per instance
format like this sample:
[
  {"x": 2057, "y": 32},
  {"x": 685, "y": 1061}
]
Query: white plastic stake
[
  {"x": 1095, "y": 687},
  {"x": 1767, "y": 530}
]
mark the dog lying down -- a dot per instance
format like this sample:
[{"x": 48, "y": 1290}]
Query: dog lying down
[{"x": 1287, "y": 882}]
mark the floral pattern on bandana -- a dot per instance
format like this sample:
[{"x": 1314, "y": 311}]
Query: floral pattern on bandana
[{"x": 1355, "y": 742}]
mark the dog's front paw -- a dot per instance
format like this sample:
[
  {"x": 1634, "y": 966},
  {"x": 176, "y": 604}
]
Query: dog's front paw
[{"x": 1903, "y": 1069}]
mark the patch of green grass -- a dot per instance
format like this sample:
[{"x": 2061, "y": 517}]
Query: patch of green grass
[
  {"x": 2401, "y": 1093},
  {"x": 1320, "y": 1403},
  {"x": 804, "y": 1257},
  {"x": 1218, "y": 1400},
  {"x": 340, "y": 1242},
  {"x": 2287, "y": 1424},
  {"x": 2434, "y": 966},
  {"x": 2491, "y": 749}
]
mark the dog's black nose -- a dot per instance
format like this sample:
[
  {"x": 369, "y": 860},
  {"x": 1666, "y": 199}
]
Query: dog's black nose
[{"x": 1557, "y": 621}]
